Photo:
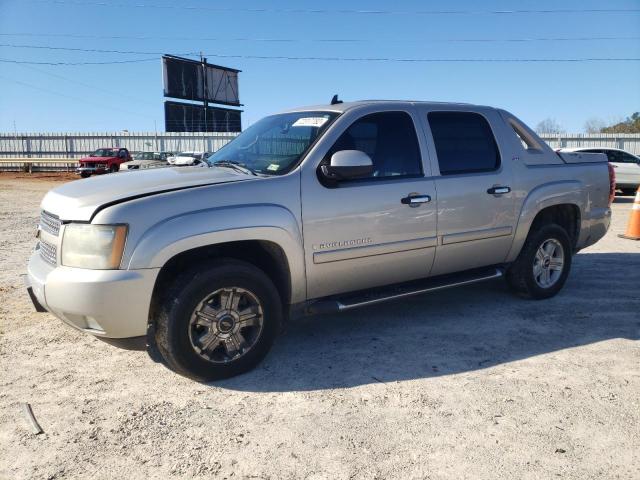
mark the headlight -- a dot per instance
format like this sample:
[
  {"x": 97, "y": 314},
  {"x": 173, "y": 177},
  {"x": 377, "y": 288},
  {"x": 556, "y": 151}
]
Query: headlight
[{"x": 97, "y": 247}]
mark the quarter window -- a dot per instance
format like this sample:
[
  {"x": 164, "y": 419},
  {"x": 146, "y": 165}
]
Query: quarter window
[
  {"x": 389, "y": 138},
  {"x": 464, "y": 142}
]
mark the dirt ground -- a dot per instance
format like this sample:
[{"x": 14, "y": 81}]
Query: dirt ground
[{"x": 465, "y": 383}]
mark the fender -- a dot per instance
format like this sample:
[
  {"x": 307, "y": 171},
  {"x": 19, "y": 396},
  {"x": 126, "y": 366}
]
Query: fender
[
  {"x": 212, "y": 226},
  {"x": 544, "y": 196}
]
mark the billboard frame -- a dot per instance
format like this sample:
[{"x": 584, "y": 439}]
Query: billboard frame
[{"x": 203, "y": 64}]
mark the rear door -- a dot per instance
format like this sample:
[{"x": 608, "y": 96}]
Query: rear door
[{"x": 476, "y": 218}]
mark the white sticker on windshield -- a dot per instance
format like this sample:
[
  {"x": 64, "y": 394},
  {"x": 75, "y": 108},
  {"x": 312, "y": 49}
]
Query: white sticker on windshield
[
  {"x": 310, "y": 122},
  {"x": 273, "y": 167}
]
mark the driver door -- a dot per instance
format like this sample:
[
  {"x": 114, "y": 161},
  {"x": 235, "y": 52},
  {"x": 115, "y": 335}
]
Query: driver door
[{"x": 366, "y": 232}]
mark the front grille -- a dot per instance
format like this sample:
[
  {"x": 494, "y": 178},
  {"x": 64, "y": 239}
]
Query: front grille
[
  {"x": 50, "y": 223},
  {"x": 48, "y": 252}
]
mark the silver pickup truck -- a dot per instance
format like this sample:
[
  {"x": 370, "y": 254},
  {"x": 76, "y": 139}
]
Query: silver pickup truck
[{"x": 317, "y": 209}]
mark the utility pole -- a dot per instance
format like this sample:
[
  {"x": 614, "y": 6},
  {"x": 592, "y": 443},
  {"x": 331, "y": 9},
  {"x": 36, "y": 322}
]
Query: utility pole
[{"x": 203, "y": 63}]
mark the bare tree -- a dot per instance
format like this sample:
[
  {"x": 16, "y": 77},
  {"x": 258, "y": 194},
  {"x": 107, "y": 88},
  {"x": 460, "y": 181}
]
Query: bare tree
[
  {"x": 549, "y": 125},
  {"x": 594, "y": 125}
]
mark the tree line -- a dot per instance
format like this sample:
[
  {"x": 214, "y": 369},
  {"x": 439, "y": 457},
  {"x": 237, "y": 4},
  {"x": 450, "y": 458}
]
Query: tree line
[{"x": 594, "y": 125}]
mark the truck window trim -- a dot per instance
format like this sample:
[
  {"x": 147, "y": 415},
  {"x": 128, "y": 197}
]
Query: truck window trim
[
  {"x": 498, "y": 166},
  {"x": 526, "y": 140}
]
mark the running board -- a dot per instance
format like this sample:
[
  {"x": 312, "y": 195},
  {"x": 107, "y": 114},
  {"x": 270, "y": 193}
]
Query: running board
[{"x": 402, "y": 290}]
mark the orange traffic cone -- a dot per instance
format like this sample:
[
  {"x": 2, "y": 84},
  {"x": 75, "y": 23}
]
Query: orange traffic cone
[{"x": 633, "y": 229}]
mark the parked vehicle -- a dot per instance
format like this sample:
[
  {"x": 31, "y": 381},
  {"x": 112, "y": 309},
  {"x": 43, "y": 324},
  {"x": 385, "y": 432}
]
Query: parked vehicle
[
  {"x": 142, "y": 160},
  {"x": 103, "y": 160},
  {"x": 189, "y": 158},
  {"x": 318, "y": 209},
  {"x": 627, "y": 166}
]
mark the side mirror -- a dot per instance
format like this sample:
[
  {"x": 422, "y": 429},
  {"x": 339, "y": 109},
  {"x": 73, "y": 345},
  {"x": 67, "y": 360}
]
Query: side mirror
[{"x": 348, "y": 164}]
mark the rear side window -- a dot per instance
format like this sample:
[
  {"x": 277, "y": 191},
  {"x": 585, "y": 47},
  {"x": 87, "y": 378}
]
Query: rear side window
[
  {"x": 627, "y": 158},
  {"x": 464, "y": 142},
  {"x": 389, "y": 138}
]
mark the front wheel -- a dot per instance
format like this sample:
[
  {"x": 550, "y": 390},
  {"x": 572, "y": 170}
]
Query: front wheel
[
  {"x": 218, "y": 321},
  {"x": 543, "y": 265}
]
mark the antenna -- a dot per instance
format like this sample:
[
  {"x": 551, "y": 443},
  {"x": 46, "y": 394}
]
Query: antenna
[{"x": 334, "y": 100}]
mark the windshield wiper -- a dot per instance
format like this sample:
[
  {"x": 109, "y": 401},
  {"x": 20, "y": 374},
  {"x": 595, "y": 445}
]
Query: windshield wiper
[{"x": 235, "y": 166}]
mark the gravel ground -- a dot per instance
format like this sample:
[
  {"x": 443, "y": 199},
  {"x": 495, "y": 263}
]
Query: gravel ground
[{"x": 466, "y": 383}]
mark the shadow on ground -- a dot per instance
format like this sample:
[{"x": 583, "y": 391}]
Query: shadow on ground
[{"x": 453, "y": 331}]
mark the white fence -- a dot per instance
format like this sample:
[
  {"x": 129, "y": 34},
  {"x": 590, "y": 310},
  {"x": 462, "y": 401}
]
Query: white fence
[
  {"x": 76, "y": 145},
  {"x": 626, "y": 141}
]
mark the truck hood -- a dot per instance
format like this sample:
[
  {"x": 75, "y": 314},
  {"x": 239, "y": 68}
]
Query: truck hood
[
  {"x": 79, "y": 199},
  {"x": 97, "y": 159}
]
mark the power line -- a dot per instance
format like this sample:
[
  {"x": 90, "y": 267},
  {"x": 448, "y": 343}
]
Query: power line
[
  {"x": 24, "y": 62},
  {"x": 89, "y": 50},
  {"x": 319, "y": 40},
  {"x": 341, "y": 11},
  {"x": 356, "y": 59},
  {"x": 58, "y": 94},
  {"x": 90, "y": 86},
  {"x": 423, "y": 60}
]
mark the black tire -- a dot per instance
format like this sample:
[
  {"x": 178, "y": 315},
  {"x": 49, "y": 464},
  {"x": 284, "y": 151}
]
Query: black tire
[
  {"x": 520, "y": 275},
  {"x": 180, "y": 300},
  {"x": 114, "y": 168},
  {"x": 628, "y": 191},
  {"x": 85, "y": 174}
]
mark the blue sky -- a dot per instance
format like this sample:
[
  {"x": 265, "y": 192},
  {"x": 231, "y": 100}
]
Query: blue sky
[{"x": 129, "y": 96}]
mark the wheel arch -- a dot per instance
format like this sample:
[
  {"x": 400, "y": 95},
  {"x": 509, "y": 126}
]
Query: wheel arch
[
  {"x": 559, "y": 202},
  {"x": 263, "y": 254}
]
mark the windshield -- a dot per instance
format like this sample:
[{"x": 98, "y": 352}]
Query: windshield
[
  {"x": 275, "y": 144},
  {"x": 189, "y": 154},
  {"x": 144, "y": 156},
  {"x": 104, "y": 152}
]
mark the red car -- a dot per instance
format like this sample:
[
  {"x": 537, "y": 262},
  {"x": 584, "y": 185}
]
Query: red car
[{"x": 103, "y": 160}]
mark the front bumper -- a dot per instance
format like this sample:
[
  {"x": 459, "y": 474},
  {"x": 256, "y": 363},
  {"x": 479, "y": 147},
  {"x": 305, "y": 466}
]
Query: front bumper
[
  {"x": 99, "y": 169},
  {"x": 105, "y": 303}
]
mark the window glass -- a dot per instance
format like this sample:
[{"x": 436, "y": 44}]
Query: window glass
[
  {"x": 275, "y": 144},
  {"x": 464, "y": 142},
  {"x": 614, "y": 155},
  {"x": 389, "y": 138},
  {"x": 628, "y": 158}
]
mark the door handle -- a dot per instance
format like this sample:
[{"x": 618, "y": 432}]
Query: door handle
[
  {"x": 414, "y": 200},
  {"x": 499, "y": 190}
]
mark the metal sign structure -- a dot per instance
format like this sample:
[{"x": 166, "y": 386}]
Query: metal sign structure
[
  {"x": 200, "y": 81},
  {"x": 187, "y": 117}
]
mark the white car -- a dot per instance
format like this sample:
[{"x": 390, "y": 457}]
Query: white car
[
  {"x": 189, "y": 158},
  {"x": 626, "y": 165},
  {"x": 142, "y": 160}
]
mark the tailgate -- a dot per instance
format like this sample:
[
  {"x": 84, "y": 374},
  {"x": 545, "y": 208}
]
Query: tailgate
[{"x": 582, "y": 157}]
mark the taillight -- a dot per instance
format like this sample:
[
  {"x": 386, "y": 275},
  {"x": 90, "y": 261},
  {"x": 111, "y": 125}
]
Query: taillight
[{"x": 612, "y": 183}]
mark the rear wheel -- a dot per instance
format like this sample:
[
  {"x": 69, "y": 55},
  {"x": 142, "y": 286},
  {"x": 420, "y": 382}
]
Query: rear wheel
[
  {"x": 218, "y": 320},
  {"x": 543, "y": 265}
]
